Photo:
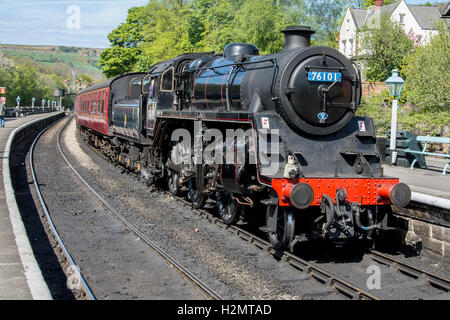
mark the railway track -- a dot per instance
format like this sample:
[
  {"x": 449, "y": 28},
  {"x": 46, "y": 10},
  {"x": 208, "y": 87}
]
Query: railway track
[
  {"x": 87, "y": 292},
  {"x": 203, "y": 287},
  {"x": 306, "y": 268},
  {"x": 323, "y": 276},
  {"x": 412, "y": 271}
]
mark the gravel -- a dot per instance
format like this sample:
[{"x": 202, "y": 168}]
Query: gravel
[
  {"x": 233, "y": 268},
  {"x": 114, "y": 262},
  {"x": 118, "y": 265}
]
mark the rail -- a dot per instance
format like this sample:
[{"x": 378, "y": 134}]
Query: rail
[{"x": 189, "y": 275}]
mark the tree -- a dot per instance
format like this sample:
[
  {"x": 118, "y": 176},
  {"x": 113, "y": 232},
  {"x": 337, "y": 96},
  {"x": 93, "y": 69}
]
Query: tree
[
  {"x": 325, "y": 18},
  {"x": 5, "y": 63},
  {"x": 427, "y": 76},
  {"x": 85, "y": 79},
  {"x": 125, "y": 39},
  {"x": 386, "y": 48},
  {"x": 260, "y": 22},
  {"x": 23, "y": 80},
  {"x": 164, "y": 29}
]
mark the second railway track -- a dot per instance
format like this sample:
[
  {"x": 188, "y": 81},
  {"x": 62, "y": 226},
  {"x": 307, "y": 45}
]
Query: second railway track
[{"x": 186, "y": 272}]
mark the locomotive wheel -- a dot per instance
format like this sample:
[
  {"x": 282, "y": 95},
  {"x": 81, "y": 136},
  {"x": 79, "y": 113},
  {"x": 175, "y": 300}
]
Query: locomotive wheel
[
  {"x": 173, "y": 183},
  {"x": 285, "y": 228},
  {"x": 228, "y": 207},
  {"x": 197, "y": 198}
]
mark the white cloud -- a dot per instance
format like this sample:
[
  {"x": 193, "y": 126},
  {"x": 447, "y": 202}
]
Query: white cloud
[{"x": 45, "y": 22}]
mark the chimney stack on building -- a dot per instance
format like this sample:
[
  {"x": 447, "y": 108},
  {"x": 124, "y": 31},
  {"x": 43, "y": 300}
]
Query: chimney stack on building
[{"x": 378, "y": 4}]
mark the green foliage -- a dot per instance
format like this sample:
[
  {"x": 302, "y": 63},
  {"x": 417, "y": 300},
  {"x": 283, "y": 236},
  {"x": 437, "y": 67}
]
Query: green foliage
[
  {"x": 419, "y": 122},
  {"x": 24, "y": 81},
  {"x": 387, "y": 47},
  {"x": 48, "y": 61},
  {"x": 125, "y": 40},
  {"x": 68, "y": 49},
  {"x": 163, "y": 29},
  {"x": 85, "y": 79},
  {"x": 427, "y": 74},
  {"x": 260, "y": 22}
]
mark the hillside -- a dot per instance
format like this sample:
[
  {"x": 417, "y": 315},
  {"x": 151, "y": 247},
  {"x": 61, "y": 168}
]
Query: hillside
[{"x": 59, "y": 60}]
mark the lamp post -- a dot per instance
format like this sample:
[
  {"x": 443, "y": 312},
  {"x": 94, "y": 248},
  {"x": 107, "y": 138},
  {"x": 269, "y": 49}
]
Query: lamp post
[
  {"x": 395, "y": 86},
  {"x": 32, "y": 102}
]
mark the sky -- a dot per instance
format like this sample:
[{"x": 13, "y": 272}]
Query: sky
[{"x": 81, "y": 23}]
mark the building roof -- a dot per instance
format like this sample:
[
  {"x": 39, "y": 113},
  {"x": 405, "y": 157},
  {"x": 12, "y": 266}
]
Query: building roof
[
  {"x": 361, "y": 16},
  {"x": 426, "y": 16},
  {"x": 446, "y": 12}
]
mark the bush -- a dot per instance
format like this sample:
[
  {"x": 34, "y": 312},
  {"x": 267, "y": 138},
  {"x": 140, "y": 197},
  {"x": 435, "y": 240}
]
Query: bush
[
  {"x": 422, "y": 122},
  {"x": 427, "y": 74}
]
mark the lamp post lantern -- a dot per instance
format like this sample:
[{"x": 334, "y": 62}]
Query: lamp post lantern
[
  {"x": 18, "y": 101},
  {"x": 395, "y": 86},
  {"x": 32, "y": 102}
]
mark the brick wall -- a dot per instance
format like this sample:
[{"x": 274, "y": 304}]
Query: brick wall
[{"x": 372, "y": 88}]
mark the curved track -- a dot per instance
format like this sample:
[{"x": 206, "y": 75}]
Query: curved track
[
  {"x": 58, "y": 238},
  {"x": 186, "y": 273}
]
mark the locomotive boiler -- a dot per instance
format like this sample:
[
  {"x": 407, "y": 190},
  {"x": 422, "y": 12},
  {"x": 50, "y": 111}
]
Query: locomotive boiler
[{"x": 273, "y": 135}]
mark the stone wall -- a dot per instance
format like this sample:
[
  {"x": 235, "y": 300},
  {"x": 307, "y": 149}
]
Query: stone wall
[{"x": 428, "y": 233}]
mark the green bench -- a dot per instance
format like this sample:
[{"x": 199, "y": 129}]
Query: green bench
[{"x": 427, "y": 140}]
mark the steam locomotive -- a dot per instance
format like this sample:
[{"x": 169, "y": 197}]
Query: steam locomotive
[{"x": 279, "y": 131}]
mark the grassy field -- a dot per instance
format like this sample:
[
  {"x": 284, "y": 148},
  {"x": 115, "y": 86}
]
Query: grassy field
[{"x": 60, "y": 59}]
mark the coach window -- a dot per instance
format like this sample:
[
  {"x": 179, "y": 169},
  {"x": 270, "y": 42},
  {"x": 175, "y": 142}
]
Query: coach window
[
  {"x": 103, "y": 107},
  {"x": 167, "y": 80}
]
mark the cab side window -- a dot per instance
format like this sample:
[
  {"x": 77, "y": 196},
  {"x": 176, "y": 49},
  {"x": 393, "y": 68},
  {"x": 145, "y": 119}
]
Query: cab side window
[
  {"x": 167, "y": 80},
  {"x": 145, "y": 84},
  {"x": 134, "y": 88}
]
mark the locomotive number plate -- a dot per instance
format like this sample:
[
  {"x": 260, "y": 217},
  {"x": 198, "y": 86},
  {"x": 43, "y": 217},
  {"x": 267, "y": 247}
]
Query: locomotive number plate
[{"x": 318, "y": 76}]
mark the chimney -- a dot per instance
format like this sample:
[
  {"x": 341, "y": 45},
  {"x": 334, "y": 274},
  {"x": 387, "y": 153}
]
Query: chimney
[
  {"x": 297, "y": 37},
  {"x": 378, "y": 4}
]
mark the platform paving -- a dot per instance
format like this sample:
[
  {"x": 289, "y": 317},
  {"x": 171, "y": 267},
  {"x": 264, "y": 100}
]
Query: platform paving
[
  {"x": 429, "y": 181},
  {"x": 13, "y": 283}
]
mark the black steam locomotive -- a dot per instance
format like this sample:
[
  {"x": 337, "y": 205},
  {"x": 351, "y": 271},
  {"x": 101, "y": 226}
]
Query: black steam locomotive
[{"x": 272, "y": 135}]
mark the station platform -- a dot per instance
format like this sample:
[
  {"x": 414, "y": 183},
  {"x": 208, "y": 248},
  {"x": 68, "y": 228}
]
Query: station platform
[
  {"x": 20, "y": 277},
  {"x": 428, "y": 181}
]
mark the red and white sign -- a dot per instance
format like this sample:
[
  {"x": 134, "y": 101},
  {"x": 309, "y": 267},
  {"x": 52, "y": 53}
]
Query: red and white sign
[
  {"x": 362, "y": 126},
  {"x": 3, "y": 100},
  {"x": 265, "y": 123}
]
